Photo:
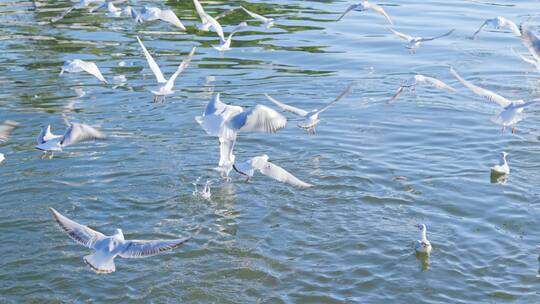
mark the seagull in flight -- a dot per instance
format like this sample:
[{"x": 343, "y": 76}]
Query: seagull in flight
[
  {"x": 512, "y": 112},
  {"x": 269, "y": 169},
  {"x": 225, "y": 121},
  {"x": 155, "y": 13},
  {"x": 311, "y": 118},
  {"x": 421, "y": 80},
  {"x": 267, "y": 22},
  {"x": 208, "y": 21},
  {"x": 5, "y": 131},
  {"x": 79, "y": 5},
  {"x": 166, "y": 86},
  {"x": 502, "y": 168},
  {"x": 107, "y": 248},
  {"x": 112, "y": 11},
  {"x": 48, "y": 142},
  {"x": 413, "y": 43},
  {"x": 77, "y": 65},
  {"x": 498, "y": 23},
  {"x": 532, "y": 42},
  {"x": 226, "y": 44},
  {"x": 364, "y": 6},
  {"x": 423, "y": 245}
]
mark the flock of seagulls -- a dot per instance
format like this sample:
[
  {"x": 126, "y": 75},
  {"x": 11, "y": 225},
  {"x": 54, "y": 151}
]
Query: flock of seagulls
[{"x": 225, "y": 121}]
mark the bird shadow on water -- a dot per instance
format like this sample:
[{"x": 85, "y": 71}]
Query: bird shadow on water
[
  {"x": 423, "y": 258},
  {"x": 497, "y": 178}
]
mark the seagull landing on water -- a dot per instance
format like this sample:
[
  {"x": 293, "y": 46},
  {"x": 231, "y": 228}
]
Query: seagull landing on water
[
  {"x": 226, "y": 44},
  {"x": 166, "y": 85},
  {"x": 5, "y": 131},
  {"x": 267, "y": 22},
  {"x": 413, "y": 43},
  {"x": 75, "y": 133},
  {"x": 77, "y": 65},
  {"x": 422, "y": 245},
  {"x": 420, "y": 80},
  {"x": 267, "y": 168},
  {"x": 225, "y": 121},
  {"x": 155, "y": 13},
  {"x": 502, "y": 168},
  {"x": 512, "y": 112},
  {"x": 498, "y": 23},
  {"x": 107, "y": 248},
  {"x": 364, "y": 6},
  {"x": 532, "y": 42},
  {"x": 312, "y": 117}
]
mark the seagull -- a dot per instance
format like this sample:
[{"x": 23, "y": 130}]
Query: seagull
[
  {"x": 226, "y": 44},
  {"x": 413, "y": 43},
  {"x": 418, "y": 80},
  {"x": 79, "y": 5},
  {"x": 5, "y": 131},
  {"x": 77, "y": 65},
  {"x": 512, "y": 112},
  {"x": 422, "y": 245},
  {"x": 225, "y": 121},
  {"x": 267, "y": 22},
  {"x": 312, "y": 117},
  {"x": 155, "y": 13},
  {"x": 267, "y": 168},
  {"x": 364, "y": 6},
  {"x": 107, "y": 248},
  {"x": 112, "y": 11},
  {"x": 502, "y": 168},
  {"x": 167, "y": 85},
  {"x": 75, "y": 133},
  {"x": 532, "y": 42},
  {"x": 498, "y": 23},
  {"x": 209, "y": 21}
]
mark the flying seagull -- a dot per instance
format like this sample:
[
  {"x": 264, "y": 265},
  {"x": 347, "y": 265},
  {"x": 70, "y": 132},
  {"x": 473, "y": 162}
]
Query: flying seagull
[
  {"x": 107, "y": 248},
  {"x": 413, "y": 43},
  {"x": 77, "y": 65},
  {"x": 166, "y": 86},
  {"x": 5, "y": 131},
  {"x": 512, "y": 112},
  {"x": 208, "y": 21},
  {"x": 498, "y": 23},
  {"x": 312, "y": 117},
  {"x": 112, "y": 11},
  {"x": 532, "y": 42},
  {"x": 421, "y": 80},
  {"x": 225, "y": 121},
  {"x": 155, "y": 13},
  {"x": 226, "y": 44},
  {"x": 267, "y": 22},
  {"x": 267, "y": 168},
  {"x": 423, "y": 245},
  {"x": 46, "y": 141},
  {"x": 79, "y": 5},
  {"x": 364, "y": 6}
]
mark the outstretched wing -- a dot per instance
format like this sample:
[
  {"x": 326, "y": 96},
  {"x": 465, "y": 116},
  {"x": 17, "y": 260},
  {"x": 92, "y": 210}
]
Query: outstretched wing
[
  {"x": 482, "y": 92},
  {"x": 91, "y": 68},
  {"x": 258, "y": 119},
  {"x": 79, "y": 233},
  {"x": 185, "y": 63},
  {"x": 279, "y": 174},
  {"x": 380, "y": 10},
  {"x": 214, "y": 24},
  {"x": 437, "y": 37},
  {"x": 152, "y": 63},
  {"x": 170, "y": 16},
  {"x": 285, "y": 107},
  {"x": 530, "y": 41},
  {"x": 350, "y": 8},
  {"x": 255, "y": 16},
  {"x": 79, "y": 132},
  {"x": 143, "y": 248},
  {"x": 400, "y": 35},
  {"x": 5, "y": 130},
  {"x": 397, "y": 94},
  {"x": 480, "y": 29},
  {"x": 437, "y": 83},
  {"x": 343, "y": 94},
  {"x": 200, "y": 11}
]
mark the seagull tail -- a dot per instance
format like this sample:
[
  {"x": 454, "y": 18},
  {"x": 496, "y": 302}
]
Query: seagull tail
[{"x": 100, "y": 262}]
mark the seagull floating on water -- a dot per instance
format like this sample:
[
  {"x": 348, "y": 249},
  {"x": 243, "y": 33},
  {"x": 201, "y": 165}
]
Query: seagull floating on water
[
  {"x": 413, "y": 43},
  {"x": 75, "y": 133},
  {"x": 512, "y": 112},
  {"x": 502, "y": 168},
  {"x": 364, "y": 6},
  {"x": 267, "y": 168},
  {"x": 225, "y": 121},
  {"x": 267, "y": 22},
  {"x": 5, "y": 131},
  {"x": 107, "y": 248},
  {"x": 167, "y": 85},
  {"x": 77, "y": 65},
  {"x": 423, "y": 245},
  {"x": 420, "y": 80},
  {"x": 498, "y": 23},
  {"x": 226, "y": 44},
  {"x": 312, "y": 117},
  {"x": 155, "y": 13}
]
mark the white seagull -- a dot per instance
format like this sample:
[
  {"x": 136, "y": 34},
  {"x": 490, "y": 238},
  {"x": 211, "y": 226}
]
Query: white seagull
[
  {"x": 532, "y": 42},
  {"x": 112, "y": 11},
  {"x": 107, "y": 248},
  {"x": 512, "y": 112},
  {"x": 46, "y": 141},
  {"x": 225, "y": 121},
  {"x": 422, "y": 245},
  {"x": 312, "y": 117},
  {"x": 166, "y": 85},
  {"x": 502, "y": 168},
  {"x": 155, "y": 13},
  {"x": 5, "y": 131},
  {"x": 420, "y": 80},
  {"x": 413, "y": 43},
  {"x": 364, "y": 6},
  {"x": 79, "y": 5},
  {"x": 77, "y": 65},
  {"x": 226, "y": 44},
  {"x": 498, "y": 23},
  {"x": 267, "y": 22},
  {"x": 267, "y": 168},
  {"x": 208, "y": 21}
]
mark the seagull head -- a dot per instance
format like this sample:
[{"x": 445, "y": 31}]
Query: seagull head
[{"x": 421, "y": 227}]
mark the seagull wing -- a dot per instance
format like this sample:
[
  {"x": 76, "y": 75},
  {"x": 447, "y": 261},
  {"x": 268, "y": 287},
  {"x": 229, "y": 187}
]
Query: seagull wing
[
  {"x": 287, "y": 108},
  {"x": 80, "y": 132},
  {"x": 225, "y": 13},
  {"x": 378, "y": 9},
  {"x": 258, "y": 119},
  {"x": 79, "y": 233},
  {"x": 397, "y": 94},
  {"x": 523, "y": 105},
  {"x": 531, "y": 42},
  {"x": 185, "y": 63},
  {"x": 103, "y": 5},
  {"x": 244, "y": 168},
  {"x": 45, "y": 135},
  {"x": 63, "y": 14},
  {"x": 255, "y": 16},
  {"x": 437, "y": 37},
  {"x": 170, "y": 16},
  {"x": 350, "y": 8},
  {"x": 480, "y": 29},
  {"x": 200, "y": 11},
  {"x": 437, "y": 83},
  {"x": 482, "y": 92},
  {"x": 5, "y": 130},
  {"x": 152, "y": 63},
  {"x": 524, "y": 58},
  {"x": 214, "y": 24},
  {"x": 513, "y": 27},
  {"x": 91, "y": 68},
  {"x": 143, "y": 248},
  {"x": 401, "y": 35},
  {"x": 276, "y": 172},
  {"x": 343, "y": 94}
]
